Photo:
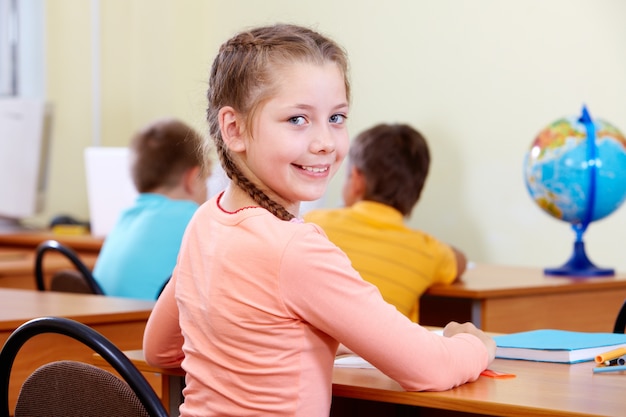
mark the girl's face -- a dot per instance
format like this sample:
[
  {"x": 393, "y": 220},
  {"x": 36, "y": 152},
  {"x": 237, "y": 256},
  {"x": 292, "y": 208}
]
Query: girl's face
[{"x": 299, "y": 136}]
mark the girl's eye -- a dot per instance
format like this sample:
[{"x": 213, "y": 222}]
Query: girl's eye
[
  {"x": 297, "y": 120},
  {"x": 337, "y": 118}
]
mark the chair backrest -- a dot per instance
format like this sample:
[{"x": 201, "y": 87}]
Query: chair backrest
[
  {"x": 620, "y": 320},
  {"x": 65, "y": 387},
  {"x": 69, "y": 280},
  {"x": 65, "y": 280},
  {"x": 77, "y": 387}
]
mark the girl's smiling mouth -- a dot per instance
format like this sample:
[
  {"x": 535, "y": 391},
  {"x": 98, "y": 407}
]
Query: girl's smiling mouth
[{"x": 316, "y": 170}]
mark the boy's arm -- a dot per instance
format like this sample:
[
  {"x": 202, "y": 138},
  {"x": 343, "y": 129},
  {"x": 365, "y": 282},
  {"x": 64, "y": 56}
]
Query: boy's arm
[{"x": 461, "y": 263}]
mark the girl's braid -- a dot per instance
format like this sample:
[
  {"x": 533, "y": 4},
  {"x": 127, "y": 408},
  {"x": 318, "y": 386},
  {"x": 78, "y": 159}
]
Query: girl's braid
[{"x": 249, "y": 187}]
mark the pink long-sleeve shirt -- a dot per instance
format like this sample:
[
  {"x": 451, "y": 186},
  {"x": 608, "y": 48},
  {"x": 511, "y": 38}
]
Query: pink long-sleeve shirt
[{"x": 256, "y": 308}]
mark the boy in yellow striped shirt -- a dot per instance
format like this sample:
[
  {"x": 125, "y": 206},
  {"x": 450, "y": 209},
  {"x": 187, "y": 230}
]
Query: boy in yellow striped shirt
[{"x": 387, "y": 167}]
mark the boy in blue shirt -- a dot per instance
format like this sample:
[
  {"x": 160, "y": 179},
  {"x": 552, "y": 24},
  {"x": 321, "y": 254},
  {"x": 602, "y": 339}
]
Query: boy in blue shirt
[{"x": 170, "y": 173}]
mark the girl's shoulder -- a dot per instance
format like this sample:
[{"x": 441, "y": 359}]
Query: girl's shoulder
[{"x": 257, "y": 218}]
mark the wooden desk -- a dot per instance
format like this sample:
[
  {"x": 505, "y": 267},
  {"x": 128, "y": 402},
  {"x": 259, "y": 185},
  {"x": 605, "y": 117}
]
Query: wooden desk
[
  {"x": 539, "y": 389},
  {"x": 121, "y": 320},
  {"x": 510, "y": 299},
  {"x": 17, "y": 255},
  {"x": 30, "y": 240},
  {"x": 17, "y": 266}
]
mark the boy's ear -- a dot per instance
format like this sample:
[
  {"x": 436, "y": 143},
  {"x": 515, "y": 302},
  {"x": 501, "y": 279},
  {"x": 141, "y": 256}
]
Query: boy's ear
[
  {"x": 231, "y": 126},
  {"x": 357, "y": 182},
  {"x": 354, "y": 187},
  {"x": 189, "y": 179}
]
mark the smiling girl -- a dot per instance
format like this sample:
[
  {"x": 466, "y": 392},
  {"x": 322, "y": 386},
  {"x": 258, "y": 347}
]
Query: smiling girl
[{"x": 259, "y": 301}]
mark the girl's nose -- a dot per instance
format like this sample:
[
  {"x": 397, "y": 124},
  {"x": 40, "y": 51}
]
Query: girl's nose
[{"x": 323, "y": 141}]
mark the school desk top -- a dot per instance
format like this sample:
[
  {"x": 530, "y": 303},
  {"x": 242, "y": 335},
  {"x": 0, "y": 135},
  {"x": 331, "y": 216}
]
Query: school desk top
[{"x": 507, "y": 299}]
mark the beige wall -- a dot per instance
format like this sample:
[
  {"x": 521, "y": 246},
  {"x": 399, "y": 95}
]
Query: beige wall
[{"x": 478, "y": 77}]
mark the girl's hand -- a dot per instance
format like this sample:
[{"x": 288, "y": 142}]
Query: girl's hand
[{"x": 453, "y": 328}]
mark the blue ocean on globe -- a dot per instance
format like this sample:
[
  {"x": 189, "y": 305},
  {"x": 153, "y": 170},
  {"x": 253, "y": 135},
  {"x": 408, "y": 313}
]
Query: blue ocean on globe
[{"x": 559, "y": 170}]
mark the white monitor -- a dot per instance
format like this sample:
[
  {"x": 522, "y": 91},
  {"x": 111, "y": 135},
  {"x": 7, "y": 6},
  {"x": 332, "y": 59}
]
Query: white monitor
[
  {"x": 24, "y": 154},
  {"x": 110, "y": 188}
]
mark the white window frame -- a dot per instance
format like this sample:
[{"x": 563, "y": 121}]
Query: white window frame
[{"x": 22, "y": 66}]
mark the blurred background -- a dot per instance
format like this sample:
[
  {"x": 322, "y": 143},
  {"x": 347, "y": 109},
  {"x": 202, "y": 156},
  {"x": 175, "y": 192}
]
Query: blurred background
[{"x": 479, "y": 78}]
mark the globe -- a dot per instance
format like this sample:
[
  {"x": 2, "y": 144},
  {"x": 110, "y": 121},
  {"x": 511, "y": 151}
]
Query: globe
[{"x": 575, "y": 170}]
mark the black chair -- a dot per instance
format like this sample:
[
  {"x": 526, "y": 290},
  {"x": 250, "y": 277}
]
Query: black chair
[
  {"x": 620, "y": 320},
  {"x": 163, "y": 287},
  {"x": 68, "y": 388},
  {"x": 80, "y": 280}
]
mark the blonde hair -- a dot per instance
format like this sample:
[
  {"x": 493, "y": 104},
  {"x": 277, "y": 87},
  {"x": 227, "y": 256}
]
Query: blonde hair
[{"x": 243, "y": 77}]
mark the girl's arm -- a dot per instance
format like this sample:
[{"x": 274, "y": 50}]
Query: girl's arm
[
  {"x": 162, "y": 339},
  {"x": 319, "y": 285}
]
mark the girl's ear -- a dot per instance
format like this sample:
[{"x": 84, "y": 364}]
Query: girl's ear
[{"x": 231, "y": 126}]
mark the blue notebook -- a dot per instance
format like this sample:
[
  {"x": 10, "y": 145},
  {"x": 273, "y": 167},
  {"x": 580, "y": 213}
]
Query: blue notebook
[{"x": 561, "y": 346}]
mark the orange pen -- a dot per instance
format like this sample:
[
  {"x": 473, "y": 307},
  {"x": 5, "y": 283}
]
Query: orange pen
[{"x": 610, "y": 355}]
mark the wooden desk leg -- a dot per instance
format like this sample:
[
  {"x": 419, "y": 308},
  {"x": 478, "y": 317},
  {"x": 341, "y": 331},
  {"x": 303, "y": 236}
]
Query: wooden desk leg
[
  {"x": 477, "y": 313},
  {"x": 172, "y": 393}
]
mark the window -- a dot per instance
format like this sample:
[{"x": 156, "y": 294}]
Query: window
[{"x": 22, "y": 48}]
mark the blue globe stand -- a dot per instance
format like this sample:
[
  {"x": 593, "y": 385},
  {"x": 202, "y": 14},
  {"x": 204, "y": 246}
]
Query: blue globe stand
[{"x": 579, "y": 264}]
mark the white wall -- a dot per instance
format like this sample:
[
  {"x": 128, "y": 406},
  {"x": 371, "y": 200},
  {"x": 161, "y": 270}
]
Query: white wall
[{"x": 480, "y": 78}]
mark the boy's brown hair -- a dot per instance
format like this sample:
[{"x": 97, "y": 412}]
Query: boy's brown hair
[
  {"x": 162, "y": 152},
  {"x": 394, "y": 160}
]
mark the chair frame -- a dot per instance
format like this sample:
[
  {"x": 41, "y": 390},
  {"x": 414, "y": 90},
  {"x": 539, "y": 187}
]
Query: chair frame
[
  {"x": 53, "y": 245},
  {"x": 89, "y": 337}
]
